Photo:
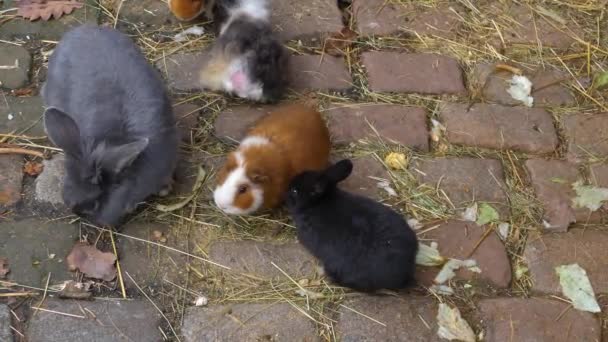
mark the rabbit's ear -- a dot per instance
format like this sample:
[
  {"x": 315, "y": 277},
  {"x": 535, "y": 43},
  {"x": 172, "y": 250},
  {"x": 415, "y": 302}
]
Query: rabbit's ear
[
  {"x": 339, "y": 171},
  {"x": 62, "y": 130},
  {"x": 117, "y": 158}
]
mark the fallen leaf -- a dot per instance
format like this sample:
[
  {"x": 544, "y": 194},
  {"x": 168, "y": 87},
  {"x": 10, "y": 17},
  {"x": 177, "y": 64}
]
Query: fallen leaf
[
  {"x": 470, "y": 214},
  {"x": 600, "y": 81},
  {"x": 429, "y": 255},
  {"x": 4, "y": 269},
  {"x": 75, "y": 290},
  {"x": 32, "y": 168},
  {"x": 45, "y": 9},
  {"x": 520, "y": 89},
  {"x": 487, "y": 214},
  {"x": 201, "y": 301},
  {"x": 23, "y": 92},
  {"x": 396, "y": 161},
  {"x": 437, "y": 130},
  {"x": 200, "y": 179},
  {"x": 576, "y": 286},
  {"x": 588, "y": 196},
  {"x": 452, "y": 326},
  {"x": 337, "y": 43},
  {"x": 449, "y": 269},
  {"x": 92, "y": 262}
]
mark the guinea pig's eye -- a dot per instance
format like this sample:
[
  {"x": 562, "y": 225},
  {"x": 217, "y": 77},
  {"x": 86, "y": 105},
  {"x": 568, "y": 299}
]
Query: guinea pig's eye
[
  {"x": 242, "y": 188},
  {"x": 294, "y": 191}
]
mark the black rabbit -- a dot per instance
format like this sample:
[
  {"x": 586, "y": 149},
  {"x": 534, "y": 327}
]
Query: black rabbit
[
  {"x": 110, "y": 113},
  {"x": 362, "y": 244}
]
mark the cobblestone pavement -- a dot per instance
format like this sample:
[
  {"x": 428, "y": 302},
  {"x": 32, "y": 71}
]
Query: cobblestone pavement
[{"x": 427, "y": 79}]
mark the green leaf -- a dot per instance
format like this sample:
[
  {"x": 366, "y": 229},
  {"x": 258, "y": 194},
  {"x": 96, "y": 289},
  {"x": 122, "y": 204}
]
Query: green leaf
[
  {"x": 588, "y": 196},
  {"x": 576, "y": 286},
  {"x": 487, "y": 214},
  {"x": 601, "y": 80}
]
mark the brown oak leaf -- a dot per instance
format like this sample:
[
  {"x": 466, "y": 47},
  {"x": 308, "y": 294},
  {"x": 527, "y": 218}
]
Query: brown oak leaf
[
  {"x": 75, "y": 290},
  {"x": 32, "y": 168},
  {"x": 45, "y": 9},
  {"x": 92, "y": 262},
  {"x": 4, "y": 267},
  {"x": 336, "y": 43}
]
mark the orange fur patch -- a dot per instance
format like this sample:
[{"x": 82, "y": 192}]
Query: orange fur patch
[
  {"x": 244, "y": 201},
  {"x": 186, "y": 9},
  {"x": 229, "y": 165}
]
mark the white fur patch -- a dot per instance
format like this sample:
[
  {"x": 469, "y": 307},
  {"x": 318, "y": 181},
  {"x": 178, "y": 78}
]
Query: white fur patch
[
  {"x": 224, "y": 195},
  {"x": 256, "y": 9},
  {"x": 254, "y": 140}
]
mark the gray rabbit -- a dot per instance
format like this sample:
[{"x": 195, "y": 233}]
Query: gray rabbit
[{"x": 109, "y": 111}]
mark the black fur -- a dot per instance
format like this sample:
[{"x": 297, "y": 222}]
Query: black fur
[
  {"x": 110, "y": 113},
  {"x": 363, "y": 244}
]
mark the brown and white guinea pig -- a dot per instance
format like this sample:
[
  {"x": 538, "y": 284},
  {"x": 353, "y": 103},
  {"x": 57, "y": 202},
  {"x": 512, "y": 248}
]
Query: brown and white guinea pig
[
  {"x": 187, "y": 10},
  {"x": 286, "y": 142}
]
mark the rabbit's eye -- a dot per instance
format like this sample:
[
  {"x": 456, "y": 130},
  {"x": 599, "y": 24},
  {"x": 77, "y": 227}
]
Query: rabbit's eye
[
  {"x": 242, "y": 188},
  {"x": 294, "y": 191}
]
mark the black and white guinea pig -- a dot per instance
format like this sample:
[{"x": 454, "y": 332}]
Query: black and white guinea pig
[
  {"x": 362, "y": 244},
  {"x": 246, "y": 59}
]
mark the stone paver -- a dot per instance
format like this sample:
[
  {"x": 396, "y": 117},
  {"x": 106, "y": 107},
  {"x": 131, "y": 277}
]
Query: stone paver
[
  {"x": 5, "y": 323},
  {"x": 456, "y": 239},
  {"x": 583, "y": 132},
  {"x": 406, "y": 318},
  {"x": 548, "y": 87},
  {"x": 232, "y": 124},
  {"x": 114, "y": 320},
  {"x": 466, "y": 179},
  {"x": 367, "y": 172},
  {"x": 294, "y": 19},
  {"x": 17, "y": 57},
  {"x": 36, "y": 248},
  {"x": 50, "y": 30},
  {"x": 536, "y": 319},
  {"x": 183, "y": 70},
  {"x": 403, "y": 125},
  {"x": 552, "y": 181},
  {"x": 187, "y": 119},
  {"x": 377, "y": 17},
  {"x": 11, "y": 177},
  {"x": 499, "y": 127},
  {"x": 599, "y": 175},
  {"x": 248, "y": 322},
  {"x": 413, "y": 73},
  {"x": 255, "y": 258},
  {"x": 530, "y": 29},
  {"x": 22, "y": 115},
  {"x": 144, "y": 13},
  {"x": 49, "y": 184},
  {"x": 310, "y": 72},
  {"x": 583, "y": 246}
]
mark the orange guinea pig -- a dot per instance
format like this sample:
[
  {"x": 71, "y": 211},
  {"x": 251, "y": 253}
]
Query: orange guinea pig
[
  {"x": 187, "y": 10},
  {"x": 286, "y": 142}
]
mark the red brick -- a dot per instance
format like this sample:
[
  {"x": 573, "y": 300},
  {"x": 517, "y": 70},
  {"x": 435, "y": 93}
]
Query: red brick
[
  {"x": 364, "y": 178},
  {"x": 255, "y": 258},
  {"x": 548, "y": 86},
  {"x": 413, "y": 73},
  {"x": 500, "y": 127},
  {"x": 314, "y": 72},
  {"x": 586, "y": 136},
  {"x": 232, "y": 124},
  {"x": 536, "y": 319},
  {"x": 587, "y": 247},
  {"x": 406, "y": 318},
  {"x": 11, "y": 176},
  {"x": 183, "y": 70},
  {"x": 465, "y": 180},
  {"x": 294, "y": 19},
  {"x": 187, "y": 119},
  {"x": 552, "y": 181},
  {"x": 599, "y": 175},
  {"x": 456, "y": 239},
  {"x": 377, "y": 17},
  {"x": 403, "y": 125}
]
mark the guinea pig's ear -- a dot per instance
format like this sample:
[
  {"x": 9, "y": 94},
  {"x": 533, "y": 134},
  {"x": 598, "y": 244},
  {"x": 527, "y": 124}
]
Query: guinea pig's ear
[
  {"x": 62, "y": 131},
  {"x": 117, "y": 158},
  {"x": 339, "y": 171}
]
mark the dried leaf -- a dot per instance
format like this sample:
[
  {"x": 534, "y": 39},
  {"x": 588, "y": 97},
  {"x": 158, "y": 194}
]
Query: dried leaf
[
  {"x": 429, "y": 255},
  {"x": 92, "y": 262},
  {"x": 452, "y": 326},
  {"x": 487, "y": 214},
  {"x": 437, "y": 130},
  {"x": 520, "y": 89},
  {"x": 600, "y": 81},
  {"x": 449, "y": 269},
  {"x": 74, "y": 290},
  {"x": 396, "y": 161},
  {"x": 23, "y": 92},
  {"x": 45, "y": 9},
  {"x": 4, "y": 269},
  {"x": 337, "y": 43},
  {"x": 470, "y": 214},
  {"x": 588, "y": 196},
  {"x": 503, "y": 230},
  {"x": 32, "y": 168},
  {"x": 576, "y": 286}
]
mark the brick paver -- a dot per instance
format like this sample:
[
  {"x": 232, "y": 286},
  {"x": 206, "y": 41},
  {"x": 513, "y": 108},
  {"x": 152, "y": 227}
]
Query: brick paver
[
  {"x": 294, "y": 19},
  {"x": 20, "y": 60},
  {"x": 309, "y": 72},
  {"x": 5, "y": 323},
  {"x": 11, "y": 177},
  {"x": 232, "y": 124},
  {"x": 367, "y": 173},
  {"x": 49, "y": 183},
  {"x": 583, "y": 132},
  {"x": 499, "y": 127},
  {"x": 183, "y": 70},
  {"x": 22, "y": 115}
]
